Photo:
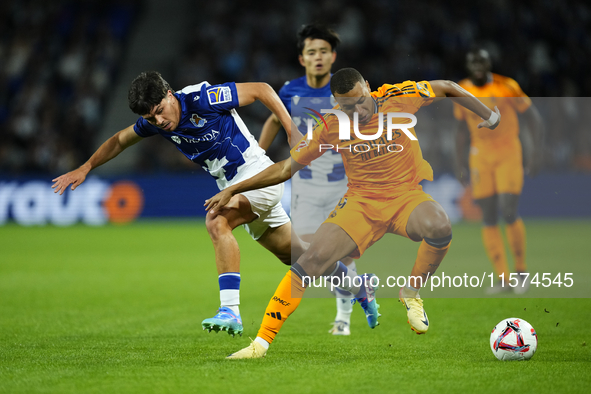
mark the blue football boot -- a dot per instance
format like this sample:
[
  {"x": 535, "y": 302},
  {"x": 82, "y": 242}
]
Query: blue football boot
[
  {"x": 367, "y": 300},
  {"x": 225, "y": 320}
]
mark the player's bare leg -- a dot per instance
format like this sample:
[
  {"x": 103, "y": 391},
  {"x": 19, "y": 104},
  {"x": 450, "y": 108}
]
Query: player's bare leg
[
  {"x": 330, "y": 244},
  {"x": 227, "y": 258},
  {"x": 493, "y": 240},
  {"x": 342, "y": 321},
  {"x": 219, "y": 227},
  {"x": 516, "y": 237},
  {"x": 429, "y": 224},
  {"x": 428, "y": 220},
  {"x": 283, "y": 243}
]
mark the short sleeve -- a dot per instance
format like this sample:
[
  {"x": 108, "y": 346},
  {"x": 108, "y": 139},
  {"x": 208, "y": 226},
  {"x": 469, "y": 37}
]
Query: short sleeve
[
  {"x": 417, "y": 94},
  {"x": 285, "y": 96},
  {"x": 521, "y": 102},
  {"x": 144, "y": 129},
  {"x": 221, "y": 98}
]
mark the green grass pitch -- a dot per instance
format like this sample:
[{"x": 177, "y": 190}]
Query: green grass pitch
[{"x": 117, "y": 309}]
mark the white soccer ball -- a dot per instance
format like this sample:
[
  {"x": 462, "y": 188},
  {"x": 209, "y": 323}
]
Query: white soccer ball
[{"x": 513, "y": 339}]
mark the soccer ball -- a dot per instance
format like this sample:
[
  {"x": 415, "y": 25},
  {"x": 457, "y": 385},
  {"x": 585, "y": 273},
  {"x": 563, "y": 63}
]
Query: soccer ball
[{"x": 513, "y": 339}]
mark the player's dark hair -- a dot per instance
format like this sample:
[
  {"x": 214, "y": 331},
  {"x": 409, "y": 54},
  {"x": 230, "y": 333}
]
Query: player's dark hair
[
  {"x": 344, "y": 80},
  {"x": 317, "y": 31},
  {"x": 147, "y": 90}
]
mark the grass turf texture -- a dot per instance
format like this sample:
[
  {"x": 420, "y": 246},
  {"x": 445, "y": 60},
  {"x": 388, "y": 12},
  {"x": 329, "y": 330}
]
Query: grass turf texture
[{"x": 118, "y": 309}]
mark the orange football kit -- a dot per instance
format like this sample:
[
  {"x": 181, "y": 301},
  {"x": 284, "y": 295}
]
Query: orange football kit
[
  {"x": 384, "y": 188},
  {"x": 496, "y": 162},
  {"x": 383, "y": 174}
]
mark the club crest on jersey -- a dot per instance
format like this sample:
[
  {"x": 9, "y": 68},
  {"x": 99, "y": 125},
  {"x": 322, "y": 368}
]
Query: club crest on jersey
[
  {"x": 197, "y": 121},
  {"x": 176, "y": 139},
  {"x": 303, "y": 143},
  {"x": 219, "y": 95}
]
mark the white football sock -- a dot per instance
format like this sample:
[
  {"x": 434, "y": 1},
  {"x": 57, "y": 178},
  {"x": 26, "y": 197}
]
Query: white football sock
[
  {"x": 344, "y": 310},
  {"x": 230, "y": 299},
  {"x": 410, "y": 292},
  {"x": 262, "y": 342}
]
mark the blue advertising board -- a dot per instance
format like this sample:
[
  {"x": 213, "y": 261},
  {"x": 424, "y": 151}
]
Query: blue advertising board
[{"x": 31, "y": 201}]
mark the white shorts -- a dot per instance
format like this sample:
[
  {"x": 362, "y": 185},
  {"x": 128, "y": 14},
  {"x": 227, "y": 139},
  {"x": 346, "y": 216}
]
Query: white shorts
[
  {"x": 311, "y": 205},
  {"x": 266, "y": 204}
]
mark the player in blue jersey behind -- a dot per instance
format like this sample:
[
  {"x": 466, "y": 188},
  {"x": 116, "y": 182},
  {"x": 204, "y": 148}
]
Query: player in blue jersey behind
[
  {"x": 202, "y": 122},
  {"x": 317, "y": 188}
]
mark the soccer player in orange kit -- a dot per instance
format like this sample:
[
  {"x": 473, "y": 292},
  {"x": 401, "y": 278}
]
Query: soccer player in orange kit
[
  {"x": 384, "y": 196},
  {"x": 496, "y": 164}
]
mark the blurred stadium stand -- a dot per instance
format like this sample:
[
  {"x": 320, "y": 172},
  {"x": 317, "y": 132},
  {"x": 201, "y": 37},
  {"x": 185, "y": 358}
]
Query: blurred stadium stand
[
  {"x": 59, "y": 62},
  {"x": 65, "y": 67},
  {"x": 157, "y": 38}
]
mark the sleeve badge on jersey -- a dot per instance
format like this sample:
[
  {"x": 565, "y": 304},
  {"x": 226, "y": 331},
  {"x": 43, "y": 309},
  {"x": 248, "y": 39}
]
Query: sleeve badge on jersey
[
  {"x": 303, "y": 143},
  {"x": 197, "y": 121},
  {"x": 219, "y": 95},
  {"x": 423, "y": 89}
]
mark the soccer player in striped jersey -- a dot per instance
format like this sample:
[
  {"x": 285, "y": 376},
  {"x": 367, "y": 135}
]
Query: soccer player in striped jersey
[
  {"x": 495, "y": 163},
  {"x": 202, "y": 123},
  {"x": 317, "y": 188},
  {"x": 384, "y": 196}
]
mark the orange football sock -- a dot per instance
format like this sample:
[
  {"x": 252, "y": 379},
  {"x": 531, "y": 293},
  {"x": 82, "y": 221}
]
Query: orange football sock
[
  {"x": 284, "y": 302},
  {"x": 495, "y": 249},
  {"x": 516, "y": 237},
  {"x": 428, "y": 259}
]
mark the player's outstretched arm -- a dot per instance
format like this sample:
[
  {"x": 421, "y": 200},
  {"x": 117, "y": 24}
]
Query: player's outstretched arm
[
  {"x": 269, "y": 132},
  {"x": 108, "y": 150},
  {"x": 535, "y": 126},
  {"x": 273, "y": 175},
  {"x": 466, "y": 99},
  {"x": 249, "y": 92}
]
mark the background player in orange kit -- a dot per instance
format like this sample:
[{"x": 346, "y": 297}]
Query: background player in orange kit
[
  {"x": 495, "y": 162},
  {"x": 384, "y": 196}
]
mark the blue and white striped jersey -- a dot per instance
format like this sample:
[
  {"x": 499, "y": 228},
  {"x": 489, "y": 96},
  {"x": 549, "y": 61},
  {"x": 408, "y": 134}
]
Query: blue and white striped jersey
[
  {"x": 212, "y": 134},
  {"x": 299, "y": 98}
]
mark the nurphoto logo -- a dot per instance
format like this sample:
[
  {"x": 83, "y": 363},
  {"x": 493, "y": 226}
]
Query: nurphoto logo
[{"x": 392, "y": 131}]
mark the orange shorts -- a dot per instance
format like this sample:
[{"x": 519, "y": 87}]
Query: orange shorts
[
  {"x": 366, "y": 220},
  {"x": 497, "y": 172}
]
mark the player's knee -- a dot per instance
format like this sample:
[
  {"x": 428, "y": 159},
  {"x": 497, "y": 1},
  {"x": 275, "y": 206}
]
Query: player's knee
[
  {"x": 489, "y": 218},
  {"x": 439, "y": 227},
  {"x": 509, "y": 215},
  {"x": 216, "y": 227},
  {"x": 508, "y": 204}
]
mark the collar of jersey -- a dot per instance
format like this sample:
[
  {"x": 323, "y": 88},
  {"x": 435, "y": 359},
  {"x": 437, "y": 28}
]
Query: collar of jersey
[{"x": 184, "y": 112}]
